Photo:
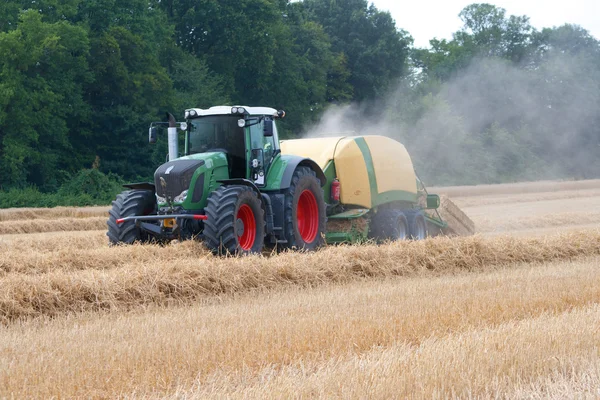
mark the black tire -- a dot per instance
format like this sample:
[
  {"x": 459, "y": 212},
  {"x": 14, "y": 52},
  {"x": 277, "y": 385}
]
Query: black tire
[
  {"x": 417, "y": 224},
  {"x": 304, "y": 232},
  {"x": 389, "y": 224},
  {"x": 128, "y": 204},
  {"x": 229, "y": 211}
]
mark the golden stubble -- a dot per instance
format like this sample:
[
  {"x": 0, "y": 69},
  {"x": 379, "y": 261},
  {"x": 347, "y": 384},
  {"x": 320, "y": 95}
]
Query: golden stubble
[
  {"x": 66, "y": 279},
  {"x": 52, "y": 225},
  {"x": 501, "y": 317},
  {"x": 521, "y": 188},
  {"x": 467, "y": 334},
  {"x": 21, "y": 214}
]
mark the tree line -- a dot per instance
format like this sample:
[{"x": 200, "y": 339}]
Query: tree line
[{"x": 80, "y": 81}]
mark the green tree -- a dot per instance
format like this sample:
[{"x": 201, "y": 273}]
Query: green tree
[
  {"x": 566, "y": 80},
  {"x": 235, "y": 37},
  {"x": 50, "y": 10},
  {"x": 493, "y": 34},
  {"x": 376, "y": 51},
  {"x": 130, "y": 90},
  {"x": 303, "y": 59},
  {"x": 43, "y": 68},
  {"x": 487, "y": 32}
]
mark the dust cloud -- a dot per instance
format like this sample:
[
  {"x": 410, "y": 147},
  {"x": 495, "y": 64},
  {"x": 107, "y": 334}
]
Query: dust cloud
[{"x": 493, "y": 123}]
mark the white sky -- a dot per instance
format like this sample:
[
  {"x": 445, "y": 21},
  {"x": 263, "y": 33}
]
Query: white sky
[{"x": 427, "y": 19}]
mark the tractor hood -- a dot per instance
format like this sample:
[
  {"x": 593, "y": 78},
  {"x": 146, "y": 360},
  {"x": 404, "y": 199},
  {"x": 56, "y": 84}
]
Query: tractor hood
[
  {"x": 186, "y": 180},
  {"x": 173, "y": 178}
]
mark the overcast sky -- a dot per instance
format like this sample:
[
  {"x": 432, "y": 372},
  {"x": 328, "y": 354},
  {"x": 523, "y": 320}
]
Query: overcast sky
[{"x": 425, "y": 19}]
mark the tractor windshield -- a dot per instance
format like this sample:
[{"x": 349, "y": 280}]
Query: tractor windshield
[{"x": 216, "y": 133}]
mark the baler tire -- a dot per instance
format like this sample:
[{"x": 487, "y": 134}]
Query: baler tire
[
  {"x": 389, "y": 225},
  {"x": 229, "y": 210},
  {"x": 130, "y": 203},
  {"x": 417, "y": 224},
  {"x": 304, "y": 194}
]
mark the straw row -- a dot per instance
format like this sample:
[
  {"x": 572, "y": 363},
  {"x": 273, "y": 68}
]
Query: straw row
[{"x": 128, "y": 277}]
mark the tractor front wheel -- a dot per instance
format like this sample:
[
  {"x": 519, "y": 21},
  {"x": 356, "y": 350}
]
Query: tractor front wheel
[
  {"x": 129, "y": 204},
  {"x": 305, "y": 212},
  {"x": 235, "y": 221}
]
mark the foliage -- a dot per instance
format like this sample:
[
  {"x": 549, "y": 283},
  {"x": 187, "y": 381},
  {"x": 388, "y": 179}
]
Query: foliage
[
  {"x": 524, "y": 101},
  {"x": 43, "y": 68},
  {"x": 87, "y": 188},
  {"x": 499, "y": 101},
  {"x": 376, "y": 51}
]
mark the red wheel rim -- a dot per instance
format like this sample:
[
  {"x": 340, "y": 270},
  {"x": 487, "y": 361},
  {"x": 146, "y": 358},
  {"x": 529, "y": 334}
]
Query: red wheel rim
[
  {"x": 246, "y": 216},
  {"x": 308, "y": 216}
]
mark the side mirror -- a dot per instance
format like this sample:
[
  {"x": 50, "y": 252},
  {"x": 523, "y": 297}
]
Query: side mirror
[
  {"x": 152, "y": 135},
  {"x": 268, "y": 129}
]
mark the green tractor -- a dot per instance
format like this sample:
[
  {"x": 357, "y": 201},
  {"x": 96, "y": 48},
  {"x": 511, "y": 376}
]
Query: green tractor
[
  {"x": 232, "y": 187},
  {"x": 239, "y": 189}
]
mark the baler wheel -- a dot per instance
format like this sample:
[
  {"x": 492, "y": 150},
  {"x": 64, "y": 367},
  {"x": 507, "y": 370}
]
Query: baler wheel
[
  {"x": 235, "y": 221},
  {"x": 389, "y": 224},
  {"x": 417, "y": 224},
  {"x": 127, "y": 204},
  {"x": 305, "y": 211}
]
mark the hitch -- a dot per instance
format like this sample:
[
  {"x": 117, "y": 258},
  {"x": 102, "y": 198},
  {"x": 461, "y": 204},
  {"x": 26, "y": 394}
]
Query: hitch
[{"x": 161, "y": 217}]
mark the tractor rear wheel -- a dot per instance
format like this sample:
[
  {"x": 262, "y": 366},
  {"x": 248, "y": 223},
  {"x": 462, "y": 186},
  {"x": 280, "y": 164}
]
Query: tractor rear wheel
[
  {"x": 389, "y": 224},
  {"x": 236, "y": 221},
  {"x": 128, "y": 204},
  {"x": 305, "y": 211}
]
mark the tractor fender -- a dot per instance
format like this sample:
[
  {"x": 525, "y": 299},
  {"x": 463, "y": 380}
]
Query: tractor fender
[
  {"x": 241, "y": 182},
  {"x": 295, "y": 162},
  {"x": 141, "y": 186}
]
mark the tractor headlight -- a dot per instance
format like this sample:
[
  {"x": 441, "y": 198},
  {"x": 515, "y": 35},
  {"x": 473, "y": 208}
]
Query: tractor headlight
[
  {"x": 181, "y": 198},
  {"x": 193, "y": 113},
  {"x": 234, "y": 110},
  {"x": 160, "y": 200},
  {"x": 241, "y": 110}
]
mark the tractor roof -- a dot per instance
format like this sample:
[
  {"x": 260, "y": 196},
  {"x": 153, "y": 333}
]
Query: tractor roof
[{"x": 226, "y": 110}]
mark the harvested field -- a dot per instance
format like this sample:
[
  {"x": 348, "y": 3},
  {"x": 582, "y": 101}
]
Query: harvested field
[
  {"x": 52, "y": 225},
  {"x": 485, "y": 200},
  {"x": 512, "y": 214},
  {"x": 12, "y": 214},
  {"x": 517, "y": 188},
  {"x": 510, "y": 312},
  {"x": 51, "y": 239},
  {"x": 73, "y": 280},
  {"x": 517, "y": 324}
]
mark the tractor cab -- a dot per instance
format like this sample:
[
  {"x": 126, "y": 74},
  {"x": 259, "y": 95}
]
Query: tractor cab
[{"x": 246, "y": 135}]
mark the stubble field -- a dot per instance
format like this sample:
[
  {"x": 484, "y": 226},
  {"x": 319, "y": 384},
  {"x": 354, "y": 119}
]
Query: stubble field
[{"x": 512, "y": 312}]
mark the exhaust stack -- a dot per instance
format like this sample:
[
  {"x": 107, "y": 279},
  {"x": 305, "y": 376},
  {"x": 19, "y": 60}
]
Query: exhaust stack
[{"x": 173, "y": 138}]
